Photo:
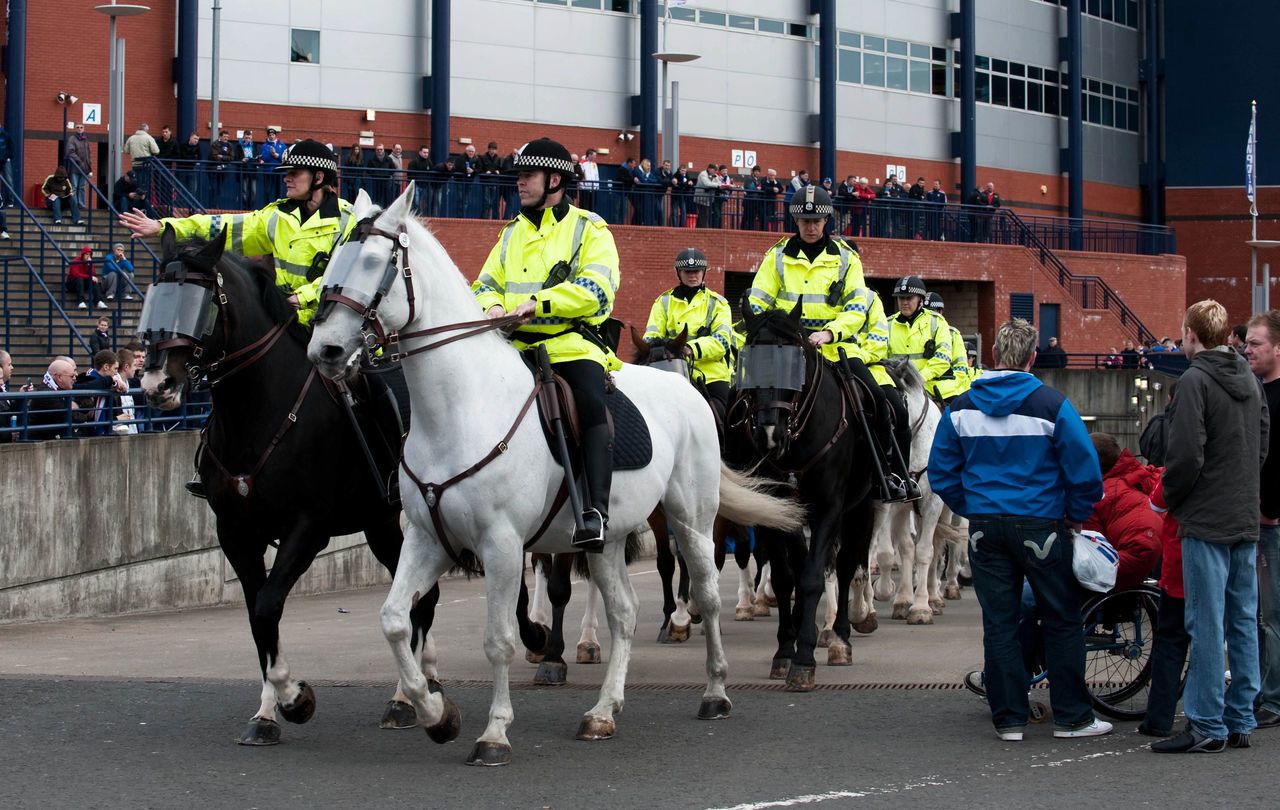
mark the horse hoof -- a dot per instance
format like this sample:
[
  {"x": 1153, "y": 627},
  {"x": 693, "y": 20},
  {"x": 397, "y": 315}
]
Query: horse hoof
[
  {"x": 778, "y": 670},
  {"x": 801, "y": 678},
  {"x": 714, "y": 708},
  {"x": 303, "y": 708},
  {"x": 664, "y": 633},
  {"x": 760, "y": 608},
  {"x": 901, "y": 611},
  {"x": 952, "y": 592},
  {"x": 398, "y": 715},
  {"x": 678, "y": 634},
  {"x": 551, "y": 673},
  {"x": 744, "y": 614},
  {"x": 450, "y": 725},
  {"x": 937, "y": 606},
  {"x": 588, "y": 653},
  {"x": 868, "y": 625},
  {"x": 839, "y": 654},
  {"x": 595, "y": 728},
  {"x": 920, "y": 617},
  {"x": 260, "y": 731},
  {"x": 770, "y": 600},
  {"x": 824, "y": 637},
  {"x": 490, "y": 754},
  {"x": 695, "y": 617}
]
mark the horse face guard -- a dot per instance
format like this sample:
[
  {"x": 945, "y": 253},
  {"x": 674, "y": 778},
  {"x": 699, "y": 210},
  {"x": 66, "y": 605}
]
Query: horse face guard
[
  {"x": 349, "y": 268},
  {"x": 771, "y": 377},
  {"x": 180, "y": 311}
]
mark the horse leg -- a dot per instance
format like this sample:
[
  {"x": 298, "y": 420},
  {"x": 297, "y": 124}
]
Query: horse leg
[
  {"x": 718, "y": 534},
  {"x": 503, "y": 565},
  {"x": 588, "y": 643},
  {"x": 905, "y": 544},
  {"x": 921, "y": 611},
  {"x": 422, "y": 563},
  {"x": 829, "y": 613},
  {"x": 609, "y": 571},
  {"x": 851, "y": 572},
  {"x": 882, "y": 548},
  {"x": 823, "y": 531},
  {"x": 666, "y": 571},
  {"x": 764, "y": 592},
  {"x": 743, "y": 611},
  {"x": 245, "y": 556},
  {"x": 384, "y": 541},
  {"x": 539, "y": 612},
  {"x": 553, "y": 671},
  {"x": 780, "y": 576},
  {"x": 699, "y": 555},
  {"x": 684, "y": 604}
]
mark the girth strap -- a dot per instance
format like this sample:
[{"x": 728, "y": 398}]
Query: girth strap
[{"x": 244, "y": 483}]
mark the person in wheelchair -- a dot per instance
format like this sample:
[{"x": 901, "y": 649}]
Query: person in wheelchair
[
  {"x": 823, "y": 274},
  {"x": 705, "y": 316}
]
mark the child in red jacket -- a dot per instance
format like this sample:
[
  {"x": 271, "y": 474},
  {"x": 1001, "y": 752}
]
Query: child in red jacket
[{"x": 1169, "y": 652}]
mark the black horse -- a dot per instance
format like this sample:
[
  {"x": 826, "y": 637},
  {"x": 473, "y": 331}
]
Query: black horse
[
  {"x": 794, "y": 423},
  {"x": 281, "y": 462},
  {"x": 669, "y": 355}
]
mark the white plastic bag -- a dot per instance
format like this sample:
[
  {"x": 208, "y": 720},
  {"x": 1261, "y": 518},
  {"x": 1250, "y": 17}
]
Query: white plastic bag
[{"x": 1094, "y": 561}]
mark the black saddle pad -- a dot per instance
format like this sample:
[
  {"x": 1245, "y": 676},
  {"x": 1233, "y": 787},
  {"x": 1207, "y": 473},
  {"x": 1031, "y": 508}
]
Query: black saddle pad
[{"x": 632, "y": 444}]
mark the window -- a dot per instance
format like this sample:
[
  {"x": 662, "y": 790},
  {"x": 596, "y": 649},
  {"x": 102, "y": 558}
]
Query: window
[
  {"x": 1133, "y": 117},
  {"x": 620, "y": 6},
  {"x": 1093, "y": 107},
  {"x": 772, "y": 26},
  {"x": 711, "y": 18},
  {"x": 553, "y": 2},
  {"x": 1017, "y": 94},
  {"x": 1016, "y": 69},
  {"x": 745, "y": 23},
  {"x": 1122, "y": 115},
  {"x": 1035, "y": 97},
  {"x": 849, "y": 66},
  {"x": 920, "y": 80},
  {"x": 896, "y": 47},
  {"x": 873, "y": 70},
  {"x": 586, "y": 4},
  {"x": 683, "y": 13},
  {"x": 999, "y": 66},
  {"x": 896, "y": 74},
  {"x": 1035, "y": 73},
  {"x": 940, "y": 80},
  {"x": 872, "y": 43},
  {"x": 1051, "y": 99},
  {"x": 849, "y": 39},
  {"x": 982, "y": 62},
  {"x": 304, "y": 46},
  {"x": 939, "y": 54},
  {"x": 982, "y": 85},
  {"x": 999, "y": 89},
  {"x": 798, "y": 30},
  {"x": 920, "y": 51}
]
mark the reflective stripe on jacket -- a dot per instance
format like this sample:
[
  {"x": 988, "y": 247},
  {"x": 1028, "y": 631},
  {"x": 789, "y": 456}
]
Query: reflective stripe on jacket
[
  {"x": 709, "y": 321},
  {"x": 909, "y": 339},
  {"x": 833, "y": 296},
  {"x": 278, "y": 230},
  {"x": 519, "y": 268},
  {"x": 959, "y": 382}
]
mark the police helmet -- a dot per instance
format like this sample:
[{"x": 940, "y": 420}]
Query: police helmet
[
  {"x": 310, "y": 155},
  {"x": 691, "y": 259},
  {"x": 909, "y": 285},
  {"x": 810, "y": 202},
  {"x": 934, "y": 302},
  {"x": 545, "y": 154}
]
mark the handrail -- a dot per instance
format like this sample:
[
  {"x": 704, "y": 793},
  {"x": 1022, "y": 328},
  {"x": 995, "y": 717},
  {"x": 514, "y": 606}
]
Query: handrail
[
  {"x": 17, "y": 422},
  {"x": 1085, "y": 295},
  {"x": 166, "y": 194},
  {"x": 38, "y": 280},
  {"x": 113, "y": 222}
]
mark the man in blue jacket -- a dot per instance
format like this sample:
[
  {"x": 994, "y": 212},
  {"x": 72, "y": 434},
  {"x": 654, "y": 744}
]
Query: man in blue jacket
[{"x": 1013, "y": 456}]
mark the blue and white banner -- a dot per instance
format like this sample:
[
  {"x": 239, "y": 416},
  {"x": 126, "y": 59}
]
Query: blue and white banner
[{"x": 1251, "y": 158}]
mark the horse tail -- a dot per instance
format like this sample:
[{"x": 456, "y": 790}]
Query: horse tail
[
  {"x": 632, "y": 552},
  {"x": 745, "y": 500}
]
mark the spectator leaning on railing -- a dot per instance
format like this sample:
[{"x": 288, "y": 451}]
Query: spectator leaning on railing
[{"x": 7, "y": 417}]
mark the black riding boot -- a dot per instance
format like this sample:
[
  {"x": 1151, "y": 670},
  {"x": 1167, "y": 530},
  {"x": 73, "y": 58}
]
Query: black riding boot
[
  {"x": 196, "y": 485},
  {"x": 897, "y": 437},
  {"x": 597, "y": 462}
]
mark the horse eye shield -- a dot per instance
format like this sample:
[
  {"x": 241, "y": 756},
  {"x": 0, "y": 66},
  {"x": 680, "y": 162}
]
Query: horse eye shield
[
  {"x": 771, "y": 367},
  {"x": 177, "y": 309}
]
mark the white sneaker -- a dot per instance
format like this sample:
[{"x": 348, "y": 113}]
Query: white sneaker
[
  {"x": 1095, "y": 729},
  {"x": 57, "y": 222},
  {"x": 5, "y": 235},
  {"x": 102, "y": 305},
  {"x": 128, "y": 298},
  {"x": 82, "y": 305},
  {"x": 1010, "y": 736}
]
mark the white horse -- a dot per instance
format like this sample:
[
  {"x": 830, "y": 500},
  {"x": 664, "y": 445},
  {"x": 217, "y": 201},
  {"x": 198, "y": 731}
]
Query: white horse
[
  {"x": 908, "y": 527},
  {"x": 472, "y": 423}
]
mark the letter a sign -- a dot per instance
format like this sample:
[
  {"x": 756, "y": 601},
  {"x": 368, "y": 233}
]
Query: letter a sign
[{"x": 92, "y": 115}]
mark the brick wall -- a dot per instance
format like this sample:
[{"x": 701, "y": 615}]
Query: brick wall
[{"x": 975, "y": 280}]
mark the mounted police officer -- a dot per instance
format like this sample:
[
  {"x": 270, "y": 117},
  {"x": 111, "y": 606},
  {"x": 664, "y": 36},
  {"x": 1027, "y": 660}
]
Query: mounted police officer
[
  {"x": 824, "y": 274},
  {"x": 300, "y": 231},
  {"x": 921, "y": 336},
  {"x": 949, "y": 389},
  {"x": 556, "y": 267},
  {"x": 706, "y": 316}
]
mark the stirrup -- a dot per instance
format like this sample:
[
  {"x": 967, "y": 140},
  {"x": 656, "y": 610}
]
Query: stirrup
[
  {"x": 590, "y": 538},
  {"x": 196, "y": 487},
  {"x": 892, "y": 489},
  {"x": 913, "y": 489}
]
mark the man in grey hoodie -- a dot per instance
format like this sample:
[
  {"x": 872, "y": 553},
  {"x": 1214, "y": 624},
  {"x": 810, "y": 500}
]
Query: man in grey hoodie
[{"x": 1217, "y": 443}]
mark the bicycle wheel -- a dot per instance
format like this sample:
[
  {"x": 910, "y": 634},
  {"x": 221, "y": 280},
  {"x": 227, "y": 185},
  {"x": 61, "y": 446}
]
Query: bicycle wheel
[{"x": 1119, "y": 630}]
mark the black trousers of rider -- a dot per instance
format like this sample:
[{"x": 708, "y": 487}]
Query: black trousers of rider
[
  {"x": 719, "y": 391},
  {"x": 586, "y": 378},
  {"x": 891, "y": 409}
]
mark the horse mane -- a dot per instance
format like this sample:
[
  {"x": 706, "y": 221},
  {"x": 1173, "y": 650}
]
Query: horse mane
[{"x": 904, "y": 373}]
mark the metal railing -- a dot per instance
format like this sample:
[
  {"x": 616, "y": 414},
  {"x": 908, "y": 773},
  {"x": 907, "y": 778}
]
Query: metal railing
[
  {"x": 117, "y": 231},
  {"x": 41, "y": 308},
  {"x": 73, "y": 416},
  {"x": 1168, "y": 362},
  {"x": 167, "y": 194}
]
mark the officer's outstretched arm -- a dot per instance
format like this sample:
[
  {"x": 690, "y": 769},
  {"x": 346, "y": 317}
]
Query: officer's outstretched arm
[{"x": 247, "y": 234}]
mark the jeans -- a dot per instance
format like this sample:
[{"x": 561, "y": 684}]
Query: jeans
[
  {"x": 1002, "y": 550},
  {"x": 1222, "y": 592},
  {"x": 1168, "y": 658},
  {"x": 77, "y": 185},
  {"x": 56, "y": 205},
  {"x": 6, "y": 169},
  {"x": 1269, "y": 617}
]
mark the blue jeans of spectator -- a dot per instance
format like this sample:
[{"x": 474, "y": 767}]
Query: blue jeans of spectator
[
  {"x": 57, "y": 202},
  {"x": 1269, "y": 618},
  {"x": 1222, "y": 605},
  {"x": 1168, "y": 659},
  {"x": 1003, "y": 549},
  {"x": 77, "y": 188},
  {"x": 6, "y": 170}
]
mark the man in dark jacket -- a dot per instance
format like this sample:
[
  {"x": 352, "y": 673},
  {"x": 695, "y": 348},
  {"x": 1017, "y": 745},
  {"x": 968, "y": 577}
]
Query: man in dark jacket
[
  {"x": 420, "y": 173},
  {"x": 489, "y": 168},
  {"x": 1014, "y": 457},
  {"x": 1262, "y": 349},
  {"x": 1217, "y": 434},
  {"x": 78, "y": 161}
]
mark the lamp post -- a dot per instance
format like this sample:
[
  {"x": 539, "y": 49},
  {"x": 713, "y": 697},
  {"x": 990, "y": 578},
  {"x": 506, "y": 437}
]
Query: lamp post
[
  {"x": 66, "y": 100},
  {"x": 115, "y": 95},
  {"x": 669, "y": 126}
]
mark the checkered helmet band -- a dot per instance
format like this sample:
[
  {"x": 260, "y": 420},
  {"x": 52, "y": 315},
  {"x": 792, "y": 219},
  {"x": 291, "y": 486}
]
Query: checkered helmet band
[
  {"x": 811, "y": 202},
  {"x": 309, "y": 155},
  {"x": 691, "y": 259},
  {"x": 544, "y": 153},
  {"x": 909, "y": 285}
]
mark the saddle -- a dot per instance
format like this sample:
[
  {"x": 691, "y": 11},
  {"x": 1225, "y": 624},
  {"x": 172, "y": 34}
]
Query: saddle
[{"x": 632, "y": 443}]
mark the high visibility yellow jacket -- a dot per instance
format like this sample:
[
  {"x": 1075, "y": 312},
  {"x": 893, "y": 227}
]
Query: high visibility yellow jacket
[
  {"x": 707, "y": 317},
  {"x": 279, "y": 230},
  {"x": 959, "y": 382},
  {"x": 833, "y": 295},
  {"x": 910, "y": 339},
  {"x": 519, "y": 268}
]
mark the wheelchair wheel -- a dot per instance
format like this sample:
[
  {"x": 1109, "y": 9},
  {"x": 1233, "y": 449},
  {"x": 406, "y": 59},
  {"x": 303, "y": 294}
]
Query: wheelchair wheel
[{"x": 1119, "y": 630}]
